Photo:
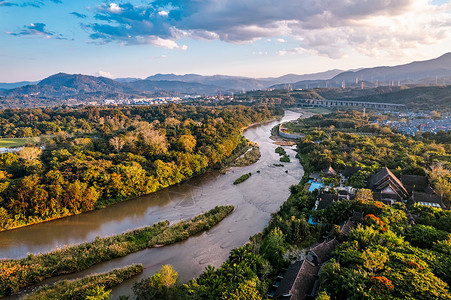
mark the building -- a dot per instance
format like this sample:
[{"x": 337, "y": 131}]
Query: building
[
  {"x": 414, "y": 183},
  {"x": 387, "y": 187},
  {"x": 426, "y": 199},
  {"x": 300, "y": 280},
  {"x": 325, "y": 200},
  {"x": 329, "y": 172}
]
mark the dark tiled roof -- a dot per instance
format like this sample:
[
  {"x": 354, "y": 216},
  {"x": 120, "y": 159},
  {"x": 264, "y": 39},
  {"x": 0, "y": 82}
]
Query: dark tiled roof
[
  {"x": 414, "y": 182},
  {"x": 298, "y": 281},
  {"x": 384, "y": 179},
  {"x": 420, "y": 197},
  {"x": 349, "y": 171},
  {"x": 348, "y": 226},
  {"x": 325, "y": 200},
  {"x": 288, "y": 280},
  {"x": 324, "y": 250},
  {"x": 322, "y": 204},
  {"x": 429, "y": 190},
  {"x": 305, "y": 281}
]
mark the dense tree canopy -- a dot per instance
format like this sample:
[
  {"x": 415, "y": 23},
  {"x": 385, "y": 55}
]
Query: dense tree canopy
[{"x": 95, "y": 156}]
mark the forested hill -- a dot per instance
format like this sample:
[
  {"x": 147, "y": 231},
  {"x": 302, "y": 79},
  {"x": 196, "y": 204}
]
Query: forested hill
[
  {"x": 419, "y": 97},
  {"x": 98, "y": 156}
]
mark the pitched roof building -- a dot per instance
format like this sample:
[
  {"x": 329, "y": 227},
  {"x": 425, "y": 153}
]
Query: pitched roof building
[
  {"x": 414, "y": 183},
  {"x": 387, "y": 187},
  {"x": 426, "y": 199},
  {"x": 298, "y": 281},
  {"x": 325, "y": 200},
  {"x": 329, "y": 172}
]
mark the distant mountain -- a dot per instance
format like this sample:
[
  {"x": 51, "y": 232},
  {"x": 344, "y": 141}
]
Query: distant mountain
[
  {"x": 435, "y": 71},
  {"x": 223, "y": 82},
  {"x": 414, "y": 72},
  {"x": 173, "y": 86},
  {"x": 291, "y": 78},
  {"x": 64, "y": 85},
  {"x": 78, "y": 83},
  {"x": 8, "y": 86},
  {"x": 241, "y": 83},
  {"x": 127, "y": 79}
]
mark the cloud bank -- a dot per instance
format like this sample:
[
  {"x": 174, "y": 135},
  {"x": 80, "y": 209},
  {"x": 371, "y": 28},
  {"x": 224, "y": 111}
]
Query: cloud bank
[{"x": 372, "y": 27}]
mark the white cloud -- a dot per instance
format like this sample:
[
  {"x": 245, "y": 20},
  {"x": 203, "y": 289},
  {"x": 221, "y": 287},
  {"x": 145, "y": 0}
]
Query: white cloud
[
  {"x": 323, "y": 27},
  {"x": 114, "y": 8},
  {"x": 165, "y": 43},
  {"x": 104, "y": 74}
]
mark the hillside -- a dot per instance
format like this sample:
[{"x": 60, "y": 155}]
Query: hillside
[
  {"x": 413, "y": 72},
  {"x": 173, "y": 86}
]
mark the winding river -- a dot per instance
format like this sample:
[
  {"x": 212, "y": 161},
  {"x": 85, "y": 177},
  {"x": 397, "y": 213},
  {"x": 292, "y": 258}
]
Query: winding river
[{"x": 254, "y": 201}]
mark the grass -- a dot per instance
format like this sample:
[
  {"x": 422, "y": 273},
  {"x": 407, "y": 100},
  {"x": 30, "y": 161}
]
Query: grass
[
  {"x": 15, "y": 142},
  {"x": 249, "y": 158},
  {"x": 82, "y": 288},
  {"x": 18, "y": 274}
]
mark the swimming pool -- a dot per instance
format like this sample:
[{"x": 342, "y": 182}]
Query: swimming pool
[{"x": 315, "y": 185}]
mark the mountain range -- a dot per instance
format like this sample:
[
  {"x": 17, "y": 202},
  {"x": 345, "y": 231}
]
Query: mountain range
[
  {"x": 435, "y": 71},
  {"x": 83, "y": 87}
]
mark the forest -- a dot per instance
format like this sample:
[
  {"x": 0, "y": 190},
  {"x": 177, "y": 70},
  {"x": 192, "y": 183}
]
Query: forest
[
  {"x": 347, "y": 138},
  {"x": 91, "y": 157},
  {"x": 386, "y": 257}
]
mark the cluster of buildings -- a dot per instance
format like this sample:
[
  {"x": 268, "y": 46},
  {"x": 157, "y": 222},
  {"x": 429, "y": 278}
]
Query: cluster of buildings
[
  {"x": 165, "y": 100},
  {"x": 148, "y": 101},
  {"x": 301, "y": 279},
  {"x": 415, "y": 122},
  {"x": 386, "y": 188}
]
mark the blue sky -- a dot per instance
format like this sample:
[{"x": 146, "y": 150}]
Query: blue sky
[{"x": 257, "y": 38}]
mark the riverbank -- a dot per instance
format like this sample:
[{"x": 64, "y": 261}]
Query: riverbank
[
  {"x": 93, "y": 197},
  {"x": 16, "y": 275},
  {"x": 255, "y": 200},
  {"x": 90, "y": 286}
]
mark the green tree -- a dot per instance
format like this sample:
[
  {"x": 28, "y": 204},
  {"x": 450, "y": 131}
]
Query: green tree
[{"x": 98, "y": 293}]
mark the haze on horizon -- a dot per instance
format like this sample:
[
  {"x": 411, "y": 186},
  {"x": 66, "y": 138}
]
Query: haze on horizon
[{"x": 232, "y": 37}]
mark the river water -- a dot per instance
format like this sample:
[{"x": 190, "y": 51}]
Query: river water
[{"x": 254, "y": 201}]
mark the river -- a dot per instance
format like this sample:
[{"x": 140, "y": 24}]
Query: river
[{"x": 254, "y": 200}]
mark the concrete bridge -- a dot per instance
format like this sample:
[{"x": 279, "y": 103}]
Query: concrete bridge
[{"x": 334, "y": 103}]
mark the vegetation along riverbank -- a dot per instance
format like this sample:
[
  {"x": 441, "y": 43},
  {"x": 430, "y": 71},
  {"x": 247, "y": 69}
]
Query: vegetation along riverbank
[
  {"x": 16, "y": 275},
  {"x": 94, "y": 287},
  {"x": 357, "y": 246},
  {"x": 92, "y": 157}
]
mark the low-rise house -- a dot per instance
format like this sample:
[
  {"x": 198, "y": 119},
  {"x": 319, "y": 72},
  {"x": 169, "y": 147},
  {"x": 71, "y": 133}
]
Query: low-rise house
[
  {"x": 325, "y": 200},
  {"x": 414, "y": 183},
  {"x": 297, "y": 282},
  {"x": 426, "y": 199}
]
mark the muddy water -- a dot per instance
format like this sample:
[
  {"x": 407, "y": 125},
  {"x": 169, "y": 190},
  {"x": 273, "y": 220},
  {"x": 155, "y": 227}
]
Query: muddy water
[{"x": 254, "y": 201}]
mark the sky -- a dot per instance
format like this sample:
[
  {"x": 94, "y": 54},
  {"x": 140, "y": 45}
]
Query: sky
[{"x": 254, "y": 38}]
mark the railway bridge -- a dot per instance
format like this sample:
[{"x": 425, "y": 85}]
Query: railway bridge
[{"x": 334, "y": 103}]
